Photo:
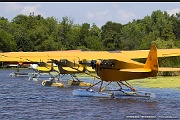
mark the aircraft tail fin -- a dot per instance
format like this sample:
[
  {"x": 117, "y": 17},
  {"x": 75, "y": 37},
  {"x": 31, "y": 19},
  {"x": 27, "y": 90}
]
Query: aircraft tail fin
[{"x": 152, "y": 59}]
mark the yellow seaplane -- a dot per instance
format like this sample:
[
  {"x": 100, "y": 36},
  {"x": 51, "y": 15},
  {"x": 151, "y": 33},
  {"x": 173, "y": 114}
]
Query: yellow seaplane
[
  {"x": 120, "y": 68},
  {"x": 54, "y": 79},
  {"x": 110, "y": 67},
  {"x": 40, "y": 63}
]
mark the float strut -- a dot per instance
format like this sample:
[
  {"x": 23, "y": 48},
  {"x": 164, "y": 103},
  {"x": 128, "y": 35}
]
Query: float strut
[
  {"x": 93, "y": 85},
  {"x": 105, "y": 86}
]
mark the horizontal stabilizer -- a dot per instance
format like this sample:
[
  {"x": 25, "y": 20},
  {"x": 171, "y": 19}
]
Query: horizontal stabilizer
[
  {"x": 90, "y": 69},
  {"x": 73, "y": 70},
  {"x": 168, "y": 69},
  {"x": 56, "y": 69},
  {"x": 44, "y": 69},
  {"x": 136, "y": 70}
]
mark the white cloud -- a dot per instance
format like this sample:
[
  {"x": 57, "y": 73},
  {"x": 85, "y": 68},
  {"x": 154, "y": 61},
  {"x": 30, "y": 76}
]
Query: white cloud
[
  {"x": 90, "y": 15},
  {"x": 12, "y": 9},
  {"x": 26, "y": 10},
  {"x": 124, "y": 15},
  {"x": 173, "y": 11},
  {"x": 102, "y": 15}
]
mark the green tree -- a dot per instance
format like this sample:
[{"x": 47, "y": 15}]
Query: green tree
[
  {"x": 162, "y": 26},
  {"x": 176, "y": 25},
  {"x": 19, "y": 33},
  {"x": 162, "y": 44},
  {"x": 110, "y": 35},
  {"x": 73, "y": 37},
  {"x": 7, "y": 42},
  {"x": 94, "y": 39},
  {"x": 84, "y": 34},
  {"x": 132, "y": 35},
  {"x": 63, "y": 29},
  {"x": 4, "y": 24},
  {"x": 176, "y": 28}
]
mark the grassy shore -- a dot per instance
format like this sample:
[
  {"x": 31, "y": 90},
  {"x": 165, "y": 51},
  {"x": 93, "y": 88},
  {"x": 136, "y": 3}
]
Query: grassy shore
[
  {"x": 155, "y": 82},
  {"x": 158, "y": 82}
]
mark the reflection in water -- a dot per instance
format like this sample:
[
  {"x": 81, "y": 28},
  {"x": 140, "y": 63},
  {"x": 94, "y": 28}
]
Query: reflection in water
[{"x": 23, "y": 99}]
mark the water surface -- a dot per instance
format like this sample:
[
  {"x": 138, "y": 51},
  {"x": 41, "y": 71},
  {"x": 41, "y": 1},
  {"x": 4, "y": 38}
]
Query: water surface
[{"x": 29, "y": 100}]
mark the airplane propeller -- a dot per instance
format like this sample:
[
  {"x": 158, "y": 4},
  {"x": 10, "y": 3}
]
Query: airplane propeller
[
  {"x": 91, "y": 63},
  {"x": 101, "y": 63}
]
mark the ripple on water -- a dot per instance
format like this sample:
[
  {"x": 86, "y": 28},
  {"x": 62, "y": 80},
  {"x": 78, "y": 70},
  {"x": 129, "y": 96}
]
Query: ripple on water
[{"x": 23, "y": 99}]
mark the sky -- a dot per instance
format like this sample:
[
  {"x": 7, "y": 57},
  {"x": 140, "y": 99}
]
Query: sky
[{"x": 88, "y": 12}]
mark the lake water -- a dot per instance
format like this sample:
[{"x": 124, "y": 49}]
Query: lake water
[{"x": 29, "y": 100}]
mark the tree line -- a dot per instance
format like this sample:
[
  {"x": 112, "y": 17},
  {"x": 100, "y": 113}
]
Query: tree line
[{"x": 36, "y": 33}]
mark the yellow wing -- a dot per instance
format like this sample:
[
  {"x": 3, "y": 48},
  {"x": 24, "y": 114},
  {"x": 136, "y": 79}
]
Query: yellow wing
[
  {"x": 163, "y": 69},
  {"x": 136, "y": 70},
  {"x": 12, "y": 59},
  {"x": 143, "y": 53}
]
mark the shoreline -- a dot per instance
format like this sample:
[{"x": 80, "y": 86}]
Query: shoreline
[{"x": 158, "y": 82}]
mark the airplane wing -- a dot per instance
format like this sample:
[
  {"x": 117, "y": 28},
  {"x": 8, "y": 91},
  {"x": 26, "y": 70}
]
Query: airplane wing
[
  {"x": 144, "y": 53},
  {"x": 36, "y": 56},
  {"x": 12, "y": 59},
  {"x": 163, "y": 69}
]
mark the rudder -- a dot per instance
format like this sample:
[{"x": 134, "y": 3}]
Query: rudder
[{"x": 152, "y": 59}]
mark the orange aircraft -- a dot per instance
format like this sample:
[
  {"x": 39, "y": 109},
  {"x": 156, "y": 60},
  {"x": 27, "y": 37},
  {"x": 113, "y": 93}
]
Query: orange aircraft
[
  {"x": 109, "y": 66},
  {"x": 40, "y": 62}
]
